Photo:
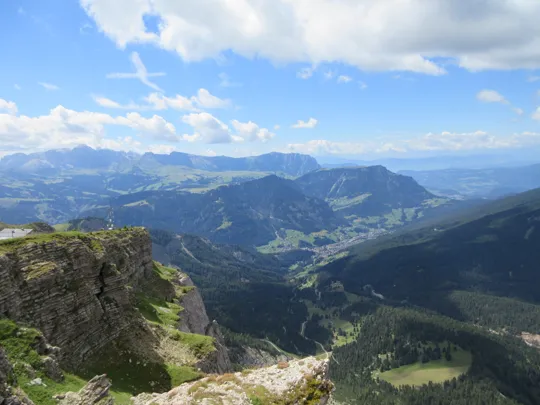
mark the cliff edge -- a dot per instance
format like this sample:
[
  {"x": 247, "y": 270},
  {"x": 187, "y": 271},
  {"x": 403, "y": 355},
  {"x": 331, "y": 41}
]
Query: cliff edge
[{"x": 76, "y": 305}]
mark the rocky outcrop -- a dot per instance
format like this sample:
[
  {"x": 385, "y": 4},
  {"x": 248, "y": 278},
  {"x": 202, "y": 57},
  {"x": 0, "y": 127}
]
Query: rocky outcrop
[
  {"x": 195, "y": 320},
  {"x": 9, "y": 395},
  {"x": 299, "y": 382},
  {"x": 75, "y": 289},
  {"x": 96, "y": 392},
  {"x": 252, "y": 357}
]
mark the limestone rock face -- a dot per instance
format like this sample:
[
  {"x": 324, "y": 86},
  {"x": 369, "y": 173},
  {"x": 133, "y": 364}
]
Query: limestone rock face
[
  {"x": 96, "y": 392},
  {"x": 194, "y": 319},
  {"x": 299, "y": 382},
  {"x": 75, "y": 290}
]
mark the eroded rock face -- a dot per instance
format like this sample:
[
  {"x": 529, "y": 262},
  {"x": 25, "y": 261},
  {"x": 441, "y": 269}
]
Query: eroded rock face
[
  {"x": 76, "y": 291},
  {"x": 96, "y": 392},
  {"x": 194, "y": 319},
  {"x": 300, "y": 381},
  {"x": 252, "y": 357}
]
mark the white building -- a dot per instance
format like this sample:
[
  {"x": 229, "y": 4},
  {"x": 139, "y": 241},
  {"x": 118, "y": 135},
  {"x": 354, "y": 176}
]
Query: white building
[{"x": 10, "y": 233}]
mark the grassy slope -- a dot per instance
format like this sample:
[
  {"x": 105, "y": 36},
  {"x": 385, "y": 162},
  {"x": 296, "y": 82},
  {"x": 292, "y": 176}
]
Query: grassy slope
[{"x": 435, "y": 371}]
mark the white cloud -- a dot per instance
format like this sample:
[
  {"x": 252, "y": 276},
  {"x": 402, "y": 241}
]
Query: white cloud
[
  {"x": 491, "y": 96},
  {"x": 162, "y": 149},
  {"x": 305, "y": 73},
  {"x": 444, "y": 141},
  {"x": 277, "y": 127},
  {"x": 374, "y": 35},
  {"x": 158, "y": 101},
  {"x": 226, "y": 81},
  {"x": 157, "y": 126},
  {"x": 63, "y": 127},
  {"x": 49, "y": 86},
  {"x": 344, "y": 79},
  {"x": 107, "y": 102},
  {"x": 533, "y": 79},
  {"x": 17, "y": 87},
  {"x": 140, "y": 73},
  {"x": 8, "y": 106},
  {"x": 207, "y": 129},
  {"x": 206, "y": 100},
  {"x": 362, "y": 85},
  {"x": 311, "y": 123},
  {"x": 536, "y": 114},
  {"x": 250, "y": 131}
]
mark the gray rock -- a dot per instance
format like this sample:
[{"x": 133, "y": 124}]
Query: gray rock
[
  {"x": 52, "y": 369},
  {"x": 194, "y": 319},
  {"x": 96, "y": 392},
  {"x": 75, "y": 291}
]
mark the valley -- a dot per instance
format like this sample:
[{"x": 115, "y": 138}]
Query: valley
[{"x": 353, "y": 267}]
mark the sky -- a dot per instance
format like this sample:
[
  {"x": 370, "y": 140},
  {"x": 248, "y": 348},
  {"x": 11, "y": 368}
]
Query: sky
[{"x": 340, "y": 78}]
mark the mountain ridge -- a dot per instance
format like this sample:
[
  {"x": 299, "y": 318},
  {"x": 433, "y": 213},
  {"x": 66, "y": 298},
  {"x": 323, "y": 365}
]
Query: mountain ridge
[{"x": 85, "y": 157}]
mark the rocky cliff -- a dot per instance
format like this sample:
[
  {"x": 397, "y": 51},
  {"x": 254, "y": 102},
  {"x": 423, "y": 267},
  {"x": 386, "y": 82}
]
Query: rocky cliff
[
  {"x": 73, "y": 288},
  {"x": 96, "y": 303},
  {"x": 298, "y": 382},
  {"x": 195, "y": 320}
]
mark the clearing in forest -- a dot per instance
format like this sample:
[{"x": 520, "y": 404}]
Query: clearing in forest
[{"x": 436, "y": 371}]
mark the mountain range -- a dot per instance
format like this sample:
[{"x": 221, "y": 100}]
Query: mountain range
[
  {"x": 86, "y": 158},
  {"x": 257, "y": 212}
]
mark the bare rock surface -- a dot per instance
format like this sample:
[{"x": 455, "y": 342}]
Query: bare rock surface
[
  {"x": 96, "y": 392},
  {"x": 298, "y": 381},
  {"x": 75, "y": 290}
]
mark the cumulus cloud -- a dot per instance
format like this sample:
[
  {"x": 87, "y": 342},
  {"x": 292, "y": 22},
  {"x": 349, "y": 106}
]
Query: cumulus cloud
[
  {"x": 63, "y": 127},
  {"x": 141, "y": 73},
  {"x": 49, "y": 86},
  {"x": 8, "y": 106},
  {"x": 250, "y": 131},
  {"x": 492, "y": 96},
  {"x": 344, "y": 79},
  {"x": 206, "y": 100},
  {"x": 444, "y": 141},
  {"x": 311, "y": 123},
  {"x": 209, "y": 129},
  {"x": 158, "y": 101},
  {"x": 374, "y": 35},
  {"x": 536, "y": 114}
]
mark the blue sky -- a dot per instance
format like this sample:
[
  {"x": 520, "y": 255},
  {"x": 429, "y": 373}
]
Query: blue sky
[{"x": 348, "y": 78}]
